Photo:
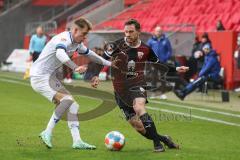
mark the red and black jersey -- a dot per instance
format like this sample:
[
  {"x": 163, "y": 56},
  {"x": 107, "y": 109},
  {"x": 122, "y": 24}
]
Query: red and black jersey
[{"x": 131, "y": 63}]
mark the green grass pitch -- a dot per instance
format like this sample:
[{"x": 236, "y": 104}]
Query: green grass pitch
[{"x": 24, "y": 114}]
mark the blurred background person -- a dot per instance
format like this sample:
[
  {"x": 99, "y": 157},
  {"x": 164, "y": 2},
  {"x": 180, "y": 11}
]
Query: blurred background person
[
  {"x": 205, "y": 40},
  {"x": 220, "y": 26},
  {"x": 192, "y": 61},
  {"x": 37, "y": 43},
  {"x": 161, "y": 46},
  {"x": 199, "y": 53},
  {"x": 210, "y": 71}
]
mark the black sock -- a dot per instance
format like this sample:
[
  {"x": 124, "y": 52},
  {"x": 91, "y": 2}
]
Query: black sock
[
  {"x": 151, "y": 132},
  {"x": 146, "y": 135},
  {"x": 162, "y": 139}
]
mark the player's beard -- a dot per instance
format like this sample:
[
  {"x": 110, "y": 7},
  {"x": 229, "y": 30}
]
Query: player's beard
[{"x": 132, "y": 42}]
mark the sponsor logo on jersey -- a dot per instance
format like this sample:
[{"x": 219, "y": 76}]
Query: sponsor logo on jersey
[
  {"x": 131, "y": 69},
  {"x": 63, "y": 39},
  {"x": 140, "y": 55}
]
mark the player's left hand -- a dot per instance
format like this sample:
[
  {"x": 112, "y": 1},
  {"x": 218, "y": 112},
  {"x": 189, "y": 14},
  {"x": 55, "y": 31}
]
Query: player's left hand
[
  {"x": 81, "y": 69},
  {"x": 95, "y": 81},
  {"x": 30, "y": 59},
  {"x": 182, "y": 69},
  {"x": 115, "y": 63}
]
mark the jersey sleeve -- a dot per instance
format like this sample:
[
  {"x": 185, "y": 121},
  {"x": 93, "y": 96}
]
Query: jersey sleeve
[
  {"x": 152, "y": 56},
  {"x": 109, "y": 49},
  {"x": 82, "y": 49},
  {"x": 62, "y": 41},
  {"x": 63, "y": 58}
]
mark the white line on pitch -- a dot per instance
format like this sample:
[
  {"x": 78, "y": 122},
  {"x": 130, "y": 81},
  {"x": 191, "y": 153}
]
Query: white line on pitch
[
  {"x": 196, "y": 108},
  {"x": 13, "y": 81},
  {"x": 195, "y": 116}
]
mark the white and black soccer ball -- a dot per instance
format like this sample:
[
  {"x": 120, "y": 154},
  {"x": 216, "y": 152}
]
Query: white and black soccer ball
[{"x": 114, "y": 141}]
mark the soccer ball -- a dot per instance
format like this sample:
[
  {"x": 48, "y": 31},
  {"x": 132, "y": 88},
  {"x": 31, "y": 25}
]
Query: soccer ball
[{"x": 114, "y": 141}]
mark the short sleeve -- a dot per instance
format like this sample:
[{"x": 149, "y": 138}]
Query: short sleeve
[
  {"x": 152, "y": 56},
  {"x": 82, "y": 49},
  {"x": 62, "y": 41}
]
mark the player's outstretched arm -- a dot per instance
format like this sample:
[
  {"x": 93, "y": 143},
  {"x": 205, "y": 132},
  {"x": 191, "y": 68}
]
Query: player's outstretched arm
[
  {"x": 98, "y": 59},
  {"x": 182, "y": 69},
  {"x": 63, "y": 57}
]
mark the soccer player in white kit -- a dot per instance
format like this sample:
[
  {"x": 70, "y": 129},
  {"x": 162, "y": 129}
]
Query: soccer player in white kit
[{"x": 44, "y": 81}]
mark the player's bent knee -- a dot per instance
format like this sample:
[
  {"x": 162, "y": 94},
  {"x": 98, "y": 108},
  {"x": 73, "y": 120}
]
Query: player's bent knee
[
  {"x": 73, "y": 111},
  {"x": 67, "y": 97},
  {"x": 74, "y": 108},
  {"x": 60, "y": 96},
  {"x": 64, "y": 104},
  {"x": 139, "y": 109},
  {"x": 139, "y": 104},
  {"x": 137, "y": 126}
]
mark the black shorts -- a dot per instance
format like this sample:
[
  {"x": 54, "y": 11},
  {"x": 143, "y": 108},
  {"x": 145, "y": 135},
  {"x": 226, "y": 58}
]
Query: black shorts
[
  {"x": 35, "y": 56},
  {"x": 126, "y": 105}
]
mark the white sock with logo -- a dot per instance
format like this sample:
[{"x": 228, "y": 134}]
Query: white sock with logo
[
  {"x": 73, "y": 122},
  {"x": 51, "y": 124}
]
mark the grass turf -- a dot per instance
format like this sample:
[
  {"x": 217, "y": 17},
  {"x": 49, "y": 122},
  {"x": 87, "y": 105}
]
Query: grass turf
[{"x": 24, "y": 114}]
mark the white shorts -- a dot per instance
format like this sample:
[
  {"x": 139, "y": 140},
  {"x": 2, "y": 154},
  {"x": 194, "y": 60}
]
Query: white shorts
[{"x": 47, "y": 86}]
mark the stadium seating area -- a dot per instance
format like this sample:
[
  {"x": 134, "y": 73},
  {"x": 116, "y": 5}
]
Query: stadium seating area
[{"x": 202, "y": 13}]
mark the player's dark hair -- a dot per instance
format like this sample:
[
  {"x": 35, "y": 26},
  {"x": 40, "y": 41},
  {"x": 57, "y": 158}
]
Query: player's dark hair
[
  {"x": 133, "y": 22},
  {"x": 82, "y": 23}
]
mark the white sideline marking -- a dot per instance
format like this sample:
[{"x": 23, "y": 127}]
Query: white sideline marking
[
  {"x": 195, "y": 116},
  {"x": 196, "y": 108},
  {"x": 13, "y": 81},
  {"x": 7, "y": 76}
]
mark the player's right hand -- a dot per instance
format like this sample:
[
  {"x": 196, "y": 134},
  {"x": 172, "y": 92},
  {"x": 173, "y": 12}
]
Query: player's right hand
[
  {"x": 182, "y": 69},
  {"x": 30, "y": 58},
  {"x": 95, "y": 81},
  {"x": 115, "y": 63},
  {"x": 81, "y": 69}
]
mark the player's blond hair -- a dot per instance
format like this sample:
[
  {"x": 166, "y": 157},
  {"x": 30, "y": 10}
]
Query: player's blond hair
[{"x": 82, "y": 23}]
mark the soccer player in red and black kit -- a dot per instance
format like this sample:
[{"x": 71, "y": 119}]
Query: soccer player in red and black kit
[{"x": 131, "y": 55}]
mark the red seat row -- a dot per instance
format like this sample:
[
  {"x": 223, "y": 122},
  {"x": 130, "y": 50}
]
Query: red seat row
[{"x": 202, "y": 13}]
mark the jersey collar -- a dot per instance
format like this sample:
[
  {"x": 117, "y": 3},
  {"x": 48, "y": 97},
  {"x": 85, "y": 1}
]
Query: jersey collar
[
  {"x": 70, "y": 34},
  {"x": 138, "y": 45}
]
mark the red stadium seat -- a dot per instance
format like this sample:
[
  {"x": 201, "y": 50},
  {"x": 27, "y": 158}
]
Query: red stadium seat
[{"x": 203, "y": 13}]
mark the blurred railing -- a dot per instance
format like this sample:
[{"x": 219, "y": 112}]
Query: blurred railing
[
  {"x": 9, "y": 5},
  {"x": 52, "y": 12},
  {"x": 48, "y": 27},
  {"x": 86, "y": 10}
]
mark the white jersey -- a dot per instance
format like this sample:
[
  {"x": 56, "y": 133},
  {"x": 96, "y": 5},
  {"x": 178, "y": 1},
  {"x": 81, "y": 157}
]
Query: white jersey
[{"x": 47, "y": 62}]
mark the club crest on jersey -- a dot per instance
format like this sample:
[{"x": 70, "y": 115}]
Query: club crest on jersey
[
  {"x": 63, "y": 39},
  {"x": 140, "y": 55},
  {"x": 131, "y": 69}
]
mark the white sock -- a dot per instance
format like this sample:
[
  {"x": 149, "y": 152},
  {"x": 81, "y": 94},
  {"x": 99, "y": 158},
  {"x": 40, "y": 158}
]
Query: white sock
[
  {"x": 51, "y": 124},
  {"x": 64, "y": 104},
  {"x": 73, "y": 122},
  {"x": 74, "y": 129}
]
